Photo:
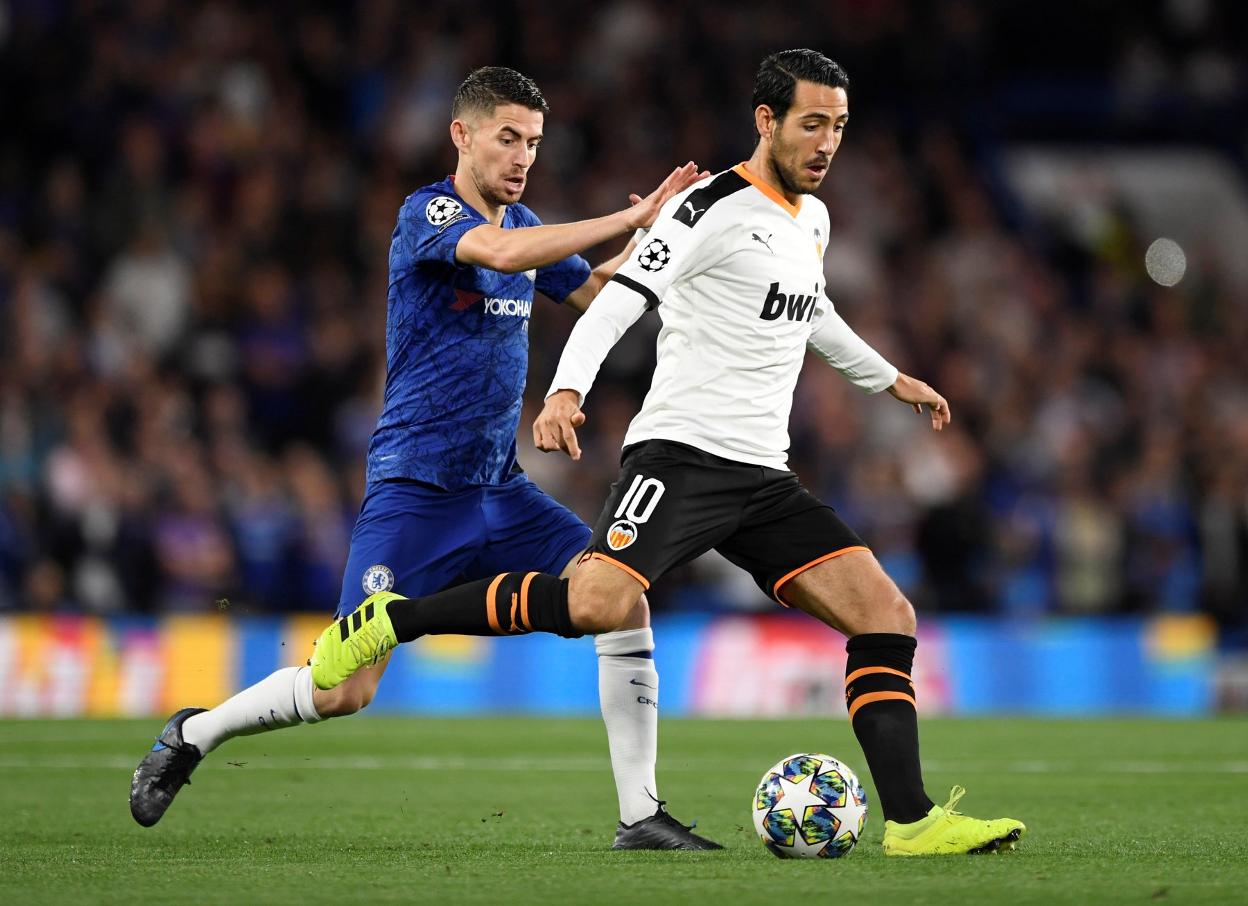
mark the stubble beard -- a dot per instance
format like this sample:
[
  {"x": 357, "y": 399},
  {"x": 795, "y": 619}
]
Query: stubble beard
[
  {"x": 787, "y": 180},
  {"x": 488, "y": 195}
]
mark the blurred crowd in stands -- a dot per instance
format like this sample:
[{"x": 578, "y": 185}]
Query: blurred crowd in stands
[{"x": 196, "y": 203}]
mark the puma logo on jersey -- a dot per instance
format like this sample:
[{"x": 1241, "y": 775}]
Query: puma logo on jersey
[
  {"x": 760, "y": 239},
  {"x": 688, "y": 213},
  {"x": 795, "y": 307}
]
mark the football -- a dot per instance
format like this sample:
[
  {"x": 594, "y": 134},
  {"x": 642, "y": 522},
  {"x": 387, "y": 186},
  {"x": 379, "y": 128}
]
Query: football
[{"x": 810, "y": 806}]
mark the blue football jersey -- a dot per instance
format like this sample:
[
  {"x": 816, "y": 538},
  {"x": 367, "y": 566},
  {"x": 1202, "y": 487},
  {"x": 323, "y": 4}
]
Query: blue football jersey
[{"x": 457, "y": 347}]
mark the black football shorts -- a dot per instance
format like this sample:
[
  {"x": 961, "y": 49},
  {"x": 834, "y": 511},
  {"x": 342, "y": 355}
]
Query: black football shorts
[{"x": 674, "y": 502}]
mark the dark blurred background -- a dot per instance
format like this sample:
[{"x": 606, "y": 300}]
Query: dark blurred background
[{"x": 196, "y": 202}]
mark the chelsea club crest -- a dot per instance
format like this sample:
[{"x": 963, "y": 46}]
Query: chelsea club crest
[{"x": 378, "y": 578}]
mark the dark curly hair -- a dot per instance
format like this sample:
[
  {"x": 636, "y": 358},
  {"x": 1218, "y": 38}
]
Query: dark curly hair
[{"x": 489, "y": 86}]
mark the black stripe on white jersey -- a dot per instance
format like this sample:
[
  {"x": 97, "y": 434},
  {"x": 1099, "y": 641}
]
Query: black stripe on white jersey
[
  {"x": 652, "y": 301},
  {"x": 699, "y": 202}
]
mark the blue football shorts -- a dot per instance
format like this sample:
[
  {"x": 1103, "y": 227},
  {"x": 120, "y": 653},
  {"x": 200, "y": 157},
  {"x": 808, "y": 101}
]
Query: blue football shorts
[{"x": 415, "y": 539}]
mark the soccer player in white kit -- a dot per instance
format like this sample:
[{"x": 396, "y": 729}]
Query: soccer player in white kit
[{"x": 734, "y": 267}]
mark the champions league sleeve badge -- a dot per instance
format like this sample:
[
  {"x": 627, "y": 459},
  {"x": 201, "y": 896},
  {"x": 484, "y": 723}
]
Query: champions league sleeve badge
[
  {"x": 378, "y": 578},
  {"x": 654, "y": 256},
  {"x": 441, "y": 209}
]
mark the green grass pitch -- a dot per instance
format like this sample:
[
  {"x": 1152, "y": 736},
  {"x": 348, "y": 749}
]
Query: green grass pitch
[{"x": 408, "y": 810}]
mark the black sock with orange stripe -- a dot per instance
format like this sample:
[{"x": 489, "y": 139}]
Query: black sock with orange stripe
[
  {"x": 880, "y": 698},
  {"x": 508, "y": 604}
]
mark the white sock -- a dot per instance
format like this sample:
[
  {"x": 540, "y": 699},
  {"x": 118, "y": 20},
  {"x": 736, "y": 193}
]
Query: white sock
[
  {"x": 628, "y": 690},
  {"x": 281, "y": 699}
]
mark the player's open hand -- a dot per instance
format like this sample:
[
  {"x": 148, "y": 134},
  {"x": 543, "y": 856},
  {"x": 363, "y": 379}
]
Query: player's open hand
[
  {"x": 555, "y": 428},
  {"x": 645, "y": 210},
  {"x": 918, "y": 394}
]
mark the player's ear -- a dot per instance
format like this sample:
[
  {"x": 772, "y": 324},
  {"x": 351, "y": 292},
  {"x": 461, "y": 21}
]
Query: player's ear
[
  {"x": 461, "y": 135},
  {"x": 764, "y": 121}
]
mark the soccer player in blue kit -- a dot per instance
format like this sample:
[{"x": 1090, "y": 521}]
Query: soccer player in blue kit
[{"x": 445, "y": 499}]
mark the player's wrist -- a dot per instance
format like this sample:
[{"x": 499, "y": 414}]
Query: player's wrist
[
  {"x": 631, "y": 221},
  {"x": 564, "y": 398}
]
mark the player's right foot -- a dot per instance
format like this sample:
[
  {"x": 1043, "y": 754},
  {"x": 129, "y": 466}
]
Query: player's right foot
[
  {"x": 360, "y": 639},
  {"x": 945, "y": 832},
  {"x": 163, "y": 771},
  {"x": 659, "y": 831}
]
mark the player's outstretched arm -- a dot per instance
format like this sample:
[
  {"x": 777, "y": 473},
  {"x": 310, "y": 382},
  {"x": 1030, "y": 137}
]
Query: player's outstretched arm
[
  {"x": 835, "y": 342},
  {"x": 513, "y": 251},
  {"x": 918, "y": 394},
  {"x": 580, "y": 298}
]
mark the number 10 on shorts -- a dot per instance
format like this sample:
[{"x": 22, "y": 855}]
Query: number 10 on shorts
[
  {"x": 642, "y": 497},
  {"x": 636, "y": 506}
]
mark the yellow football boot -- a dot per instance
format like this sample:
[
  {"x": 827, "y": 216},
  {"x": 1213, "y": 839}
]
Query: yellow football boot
[
  {"x": 360, "y": 639},
  {"x": 945, "y": 832}
]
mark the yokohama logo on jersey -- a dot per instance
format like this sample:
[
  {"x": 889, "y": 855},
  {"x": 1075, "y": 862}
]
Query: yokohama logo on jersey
[{"x": 521, "y": 308}]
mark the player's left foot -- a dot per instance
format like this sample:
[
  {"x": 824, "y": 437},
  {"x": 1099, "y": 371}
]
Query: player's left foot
[
  {"x": 659, "y": 831},
  {"x": 163, "y": 771},
  {"x": 945, "y": 832},
  {"x": 360, "y": 639}
]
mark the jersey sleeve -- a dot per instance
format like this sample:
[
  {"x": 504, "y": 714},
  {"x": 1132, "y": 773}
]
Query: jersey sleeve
[
  {"x": 431, "y": 225},
  {"x": 677, "y": 246},
  {"x": 835, "y": 342},
  {"x": 563, "y": 278},
  {"x": 613, "y": 312}
]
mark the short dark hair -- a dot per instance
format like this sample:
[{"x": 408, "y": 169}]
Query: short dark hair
[
  {"x": 489, "y": 86},
  {"x": 778, "y": 76}
]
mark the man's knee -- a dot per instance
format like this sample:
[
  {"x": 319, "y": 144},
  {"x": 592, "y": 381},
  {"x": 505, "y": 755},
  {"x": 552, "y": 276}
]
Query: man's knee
[
  {"x": 601, "y": 598},
  {"x": 638, "y": 617},
  {"x": 883, "y": 609},
  {"x": 855, "y": 595},
  {"x": 900, "y": 613},
  {"x": 595, "y": 613}
]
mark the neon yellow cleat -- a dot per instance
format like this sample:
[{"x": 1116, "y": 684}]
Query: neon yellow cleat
[
  {"x": 945, "y": 832},
  {"x": 360, "y": 639}
]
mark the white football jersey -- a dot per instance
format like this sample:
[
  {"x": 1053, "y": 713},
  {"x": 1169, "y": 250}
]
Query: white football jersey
[{"x": 736, "y": 274}]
